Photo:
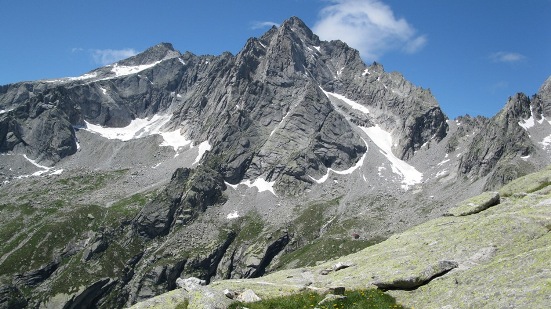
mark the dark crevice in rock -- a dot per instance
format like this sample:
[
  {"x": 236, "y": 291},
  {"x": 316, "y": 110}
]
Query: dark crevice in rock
[
  {"x": 274, "y": 249},
  {"x": 35, "y": 277},
  {"x": 206, "y": 268},
  {"x": 91, "y": 295},
  {"x": 414, "y": 282}
]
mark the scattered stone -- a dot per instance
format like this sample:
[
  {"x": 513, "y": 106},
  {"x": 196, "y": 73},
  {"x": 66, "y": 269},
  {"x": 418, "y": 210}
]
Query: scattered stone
[
  {"x": 337, "y": 290},
  {"x": 340, "y": 266},
  {"x": 475, "y": 205},
  {"x": 248, "y": 296},
  {"x": 91, "y": 217},
  {"x": 229, "y": 294},
  {"x": 324, "y": 272}
]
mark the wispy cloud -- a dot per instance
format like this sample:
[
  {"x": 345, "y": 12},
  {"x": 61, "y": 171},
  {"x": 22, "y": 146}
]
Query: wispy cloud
[
  {"x": 369, "y": 26},
  {"x": 108, "y": 56},
  {"x": 497, "y": 86},
  {"x": 263, "y": 24},
  {"x": 508, "y": 57}
]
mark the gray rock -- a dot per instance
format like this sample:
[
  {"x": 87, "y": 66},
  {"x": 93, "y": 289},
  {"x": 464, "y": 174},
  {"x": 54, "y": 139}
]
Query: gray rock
[
  {"x": 229, "y": 293},
  {"x": 190, "y": 284},
  {"x": 415, "y": 281},
  {"x": 475, "y": 205},
  {"x": 248, "y": 296},
  {"x": 330, "y": 298}
]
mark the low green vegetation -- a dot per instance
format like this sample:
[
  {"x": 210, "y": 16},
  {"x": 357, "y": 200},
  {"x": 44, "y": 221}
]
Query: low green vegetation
[
  {"x": 323, "y": 249},
  {"x": 360, "y": 299},
  {"x": 183, "y": 305}
]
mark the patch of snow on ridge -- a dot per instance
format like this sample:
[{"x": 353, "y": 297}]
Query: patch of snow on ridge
[
  {"x": 261, "y": 184},
  {"x": 346, "y": 171},
  {"x": 44, "y": 170},
  {"x": 122, "y": 70},
  {"x": 141, "y": 127},
  {"x": 232, "y": 215},
  {"x": 546, "y": 142},
  {"x": 203, "y": 147},
  {"x": 527, "y": 123},
  {"x": 352, "y": 104},
  {"x": 2, "y": 111},
  {"x": 383, "y": 140}
]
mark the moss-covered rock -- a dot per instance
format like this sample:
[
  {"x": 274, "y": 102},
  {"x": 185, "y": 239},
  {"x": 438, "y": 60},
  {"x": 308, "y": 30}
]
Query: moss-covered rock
[{"x": 475, "y": 204}]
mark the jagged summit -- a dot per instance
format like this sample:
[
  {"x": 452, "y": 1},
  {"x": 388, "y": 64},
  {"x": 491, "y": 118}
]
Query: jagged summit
[{"x": 159, "y": 52}]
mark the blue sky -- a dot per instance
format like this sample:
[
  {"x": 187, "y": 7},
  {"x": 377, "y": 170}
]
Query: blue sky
[{"x": 472, "y": 54}]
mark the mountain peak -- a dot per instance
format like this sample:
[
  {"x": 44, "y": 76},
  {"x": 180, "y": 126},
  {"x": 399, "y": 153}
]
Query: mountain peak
[
  {"x": 297, "y": 26},
  {"x": 158, "y": 52}
]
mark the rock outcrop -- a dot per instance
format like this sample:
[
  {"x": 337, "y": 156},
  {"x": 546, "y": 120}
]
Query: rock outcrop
[{"x": 466, "y": 260}]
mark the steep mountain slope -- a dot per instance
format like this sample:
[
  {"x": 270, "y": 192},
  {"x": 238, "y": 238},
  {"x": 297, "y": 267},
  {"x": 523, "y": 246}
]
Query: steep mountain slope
[
  {"x": 168, "y": 165},
  {"x": 487, "y": 257}
]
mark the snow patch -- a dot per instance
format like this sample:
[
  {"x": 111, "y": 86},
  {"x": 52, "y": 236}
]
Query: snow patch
[
  {"x": 527, "y": 123},
  {"x": 122, "y": 70},
  {"x": 317, "y": 48},
  {"x": 525, "y": 157},
  {"x": 57, "y": 172},
  {"x": 383, "y": 140},
  {"x": 142, "y": 127},
  {"x": 44, "y": 169},
  {"x": 281, "y": 122},
  {"x": 546, "y": 142},
  {"x": 261, "y": 184},
  {"x": 443, "y": 162},
  {"x": 350, "y": 103},
  {"x": 230, "y": 185},
  {"x": 366, "y": 72},
  {"x": 233, "y": 215},
  {"x": 2, "y": 111},
  {"x": 203, "y": 147},
  {"x": 181, "y": 61}
]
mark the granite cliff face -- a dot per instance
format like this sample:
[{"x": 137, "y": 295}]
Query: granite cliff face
[{"x": 169, "y": 165}]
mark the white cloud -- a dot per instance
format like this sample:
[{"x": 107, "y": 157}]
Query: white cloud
[
  {"x": 108, "y": 56},
  {"x": 509, "y": 57},
  {"x": 369, "y": 26},
  {"x": 263, "y": 24}
]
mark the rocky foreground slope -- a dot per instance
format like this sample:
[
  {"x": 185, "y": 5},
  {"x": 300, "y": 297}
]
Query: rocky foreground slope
[
  {"x": 169, "y": 165},
  {"x": 490, "y": 251}
]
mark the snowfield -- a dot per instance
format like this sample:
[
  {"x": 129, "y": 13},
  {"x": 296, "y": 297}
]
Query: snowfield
[
  {"x": 352, "y": 104},
  {"x": 383, "y": 140},
  {"x": 141, "y": 127}
]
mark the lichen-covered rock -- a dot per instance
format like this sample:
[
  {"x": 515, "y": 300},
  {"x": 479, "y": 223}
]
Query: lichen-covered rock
[
  {"x": 475, "y": 204},
  {"x": 415, "y": 281}
]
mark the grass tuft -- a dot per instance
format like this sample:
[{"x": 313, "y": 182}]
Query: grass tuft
[{"x": 364, "y": 299}]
